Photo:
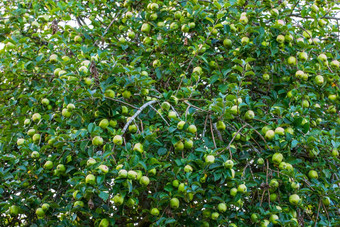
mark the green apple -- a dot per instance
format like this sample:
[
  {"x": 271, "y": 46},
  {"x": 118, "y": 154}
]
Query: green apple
[
  {"x": 77, "y": 39},
  {"x": 188, "y": 169},
  {"x": 294, "y": 199},
  {"x": 45, "y": 206},
  {"x": 299, "y": 74},
  {"x": 118, "y": 140},
  {"x": 289, "y": 37},
  {"x": 220, "y": 125},
  {"x": 222, "y": 207},
  {"x": 332, "y": 97},
  {"x": 185, "y": 28},
  {"x": 188, "y": 144},
  {"x": 305, "y": 103},
  {"x": 154, "y": 211},
  {"x": 122, "y": 173},
  {"x": 245, "y": 40},
  {"x": 88, "y": 81},
  {"x": 174, "y": 203},
  {"x": 312, "y": 174},
  {"x": 27, "y": 122},
  {"x": 315, "y": 8},
  {"x": 20, "y": 141},
  {"x": 104, "y": 168},
  {"x": 144, "y": 180},
  {"x": 36, "y": 117},
  {"x": 277, "y": 158},
  {"x": 227, "y": 43},
  {"x": 209, "y": 159},
  {"x": 104, "y": 123},
  {"x": 266, "y": 76},
  {"x": 197, "y": 70},
  {"x": 280, "y": 131},
  {"x": 264, "y": 223},
  {"x": 104, "y": 223},
  {"x": 192, "y": 129},
  {"x": 292, "y": 60},
  {"x": 109, "y": 93},
  {"x": 335, "y": 64},
  {"x": 215, "y": 215},
  {"x": 132, "y": 175},
  {"x": 152, "y": 172},
  {"x": 31, "y": 132},
  {"x": 242, "y": 188},
  {"x": 181, "y": 187},
  {"x": 179, "y": 145},
  {"x": 280, "y": 39},
  {"x": 295, "y": 185},
  {"x": 274, "y": 183},
  {"x": 260, "y": 161},
  {"x": 243, "y": 19},
  {"x": 228, "y": 164},
  {"x": 97, "y": 141},
  {"x": 273, "y": 197},
  {"x": 60, "y": 168},
  {"x": 273, "y": 219},
  {"x": 172, "y": 114},
  {"x": 326, "y": 201},
  {"x": 91, "y": 161},
  {"x": 126, "y": 94},
  {"x": 335, "y": 153},
  {"x": 156, "y": 63},
  {"x": 307, "y": 34},
  {"x": 36, "y": 137},
  {"x": 48, "y": 165},
  {"x": 138, "y": 147},
  {"x": 90, "y": 179},
  {"x": 249, "y": 115},
  {"x": 53, "y": 58},
  {"x": 303, "y": 56},
  {"x": 83, "y": 69},
  {"x": 40, "y": 212},
  {"x": 180, "y": 125},
  {"x": 14, "y": 210},
  {"x": 45, "y": 101},
  {"x": 270, "y": 134},
  {"x": 174, "y": 26},
  {"x": 131, "y": 34},
  {"x": 131, "y": 202},
  {"x": 66, "y": 113},
  {"x": 166, "y": 106},
  {"x": 319, "y": 80},
  {"x": 175, "y": 183},
  {"x": 322, "y": 57},
  {"x": 118, "y": 200},
  {"x": 289, "y": 130},
  {"x": 254, "y": 217},
  {"x": 233, "y": 192},
  {"x": 35, "y": 154}
]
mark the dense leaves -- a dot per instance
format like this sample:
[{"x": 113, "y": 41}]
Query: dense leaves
[{"x": 169, "y": 113}]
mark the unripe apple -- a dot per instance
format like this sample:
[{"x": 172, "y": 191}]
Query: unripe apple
[
  {"x": 97, "y": 141},
  {"x": 40, "y": 212},
  {"x": 133, "y": 128},
  {"x": 197, "y": 70},
  {"x": 312, "y": 174},
  {"x": 132, "y": 175},
  {"x": 154, "y": 211},
  {"x": 192, "y": 129},
  {"x": 273, "y": 219},
  {"x": 185, "y": 28},
  {"x": 335, "y": 64},
  {"x": 36, "y": 137},
  {"x": 274, "y": 183},
  {"x": 188, "y": 169},
  {"x": 331, "y": 109},
  {"x": 175, "y": 183},
  {"x": 229, "y": 164},
  {"x": 273, "y": 197},
  {"x": 144, "y": 180},
  {"x": 90, "y": 179},
  {"x": 326, "y": 201},
  {"x": 188, "y": 144},
  {"x": 174, "y": 26},
  {"x": 295, "y": 185},
  {"x": 36, "y": 117},
  {"x": 243, "y": 19},
  {"x": 156, "y": 63},
  {"x": 245, "y": 40},
  {"x": 20, "y": 142},
  {"x": 222, "y": 207},
  {"x": 280, "y": 39},
  {"x": 118, "y": 200},
  {"x": 122, "y": 173},
  {"x": 307, "y": 34},
  {"x": 322, "y": 57},
  {"x": 233, "y": 192},
  {"x": 294, "y": 199},
  {"x": 180, "y": 125},
  {"x": 118, "y": 140},
  {"x": 152, "y": 172},
  {"x": 27, "y": 122},
  {"x": 266, "y": 76},
  {"x": 332, "y": 97},
  {"x": 14, "y": 210},
  {"x": 35, "y": 154},
  {"x": 146, "y": 28},
  {"x": 131, "y": 35},
  {"x": 209, "y": 159},
  {"x": 220, "y": 126},
  {"x": 104, "y": 123},
  {"x": 280, "y": 131},
  {"x": 60, "y": 168},
  {"x": 242, "y": 188},
  {"x": 292, "y": 60},
  {"x": 315, "y": 8},
  {"x": 270, "y": 134},
  {"x": 77, "y": 39},
  {"x": 289, "y": 37},
  {"x": 48, "y": 165},
  {"x": 45, "y": 206},
  {"x": 264, "y": 223},
  {"x": 299, "y": 74},
  {"x": 53, "y": 58},
  {"x": 277, "y": 158},
  {"x": 91, "y": 161},
  {"x": 215, "y": 215},
  {"x": 66, "y": 113},
  {"x": 319, "y": 80},
  {"x": 305, "y": 104},
  {"x": 227, "y": 43},
  {"x": 260, "y": 161},
  {"x": 249, "y": 115},
  {"x": 174, "y": 203},
  {"x": 83, "y": 69},
  {"x": 104, "y": 168},
  {"x": 172, "y": 114},
  {"x": 181, "y": 187},
  {"x": 166, "y": 106},
  {"x": 335, "y": 153},
  {"x": 138, "y": 147},
  {"x": 104, "y": 223},
  {"x": 303, "y": 56},
  {"x": 254, "y": 217}
]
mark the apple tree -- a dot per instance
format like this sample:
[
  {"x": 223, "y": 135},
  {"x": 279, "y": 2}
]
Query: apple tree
[{"x": 169, "y": 113}]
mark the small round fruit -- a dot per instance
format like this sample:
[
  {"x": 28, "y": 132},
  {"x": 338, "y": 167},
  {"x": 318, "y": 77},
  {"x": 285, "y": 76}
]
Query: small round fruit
[
  {"x": 260, "y": 161},
  {"x": 294, "y": 199},
  {"x": 97, "y": 141},
  {"x": 319, "y": 80},
  {"x": 188, "y": 144},
  {"x": 174, "y": 203},
  {"x": 220, "y": 125},
  {"x": 104, "y": 168},
  {"x": 90, "y": 179},
  {"x": 14, "y": 210},
  {"x": 180, "y": 125},
  {"x": 138, "y": 147},
  {"x": 144, "y": 180},
  {"x": 326, "y": 201},
  {"x": 229, "y": 164},
  {"x": 192, "y": 129},
  {"x": 249, "y": 115},
  {"x": 280, "y": 131},
  {"x": 104, "y": 123},
  {"x": 48, "y": 165},
  {"x": 179, "y": 146},
  {"x": 242, "y": 188},
  {"x": 215, "y": 215},
  {"x": 209, "y": 159},
  {"x": 292, "y": 60},
  {"x": 20, "y": 142},
  {"x": 118, "y": 200},
  {"x": 104, "y": 223},
  {"x": 188, "y": 169},
  {"x": 40, "y": 212},
  {"x": 233, "y": 192},
  {"x": 273, "y": 219},
  {"x": 277, "y": 158},
  {"x": 222, "y": 207},
  {"x": 172, "y": 114},
  {"x": 36, "y": 117},
  {"x": 35, "y": 154},
  {"x": 312, "y": 174},
  {"x": 154, "y": 212},
  {"x": 118, "y": 140},
  {"x": 45, "y": 206},
  {"x": 270, "y": 134}
]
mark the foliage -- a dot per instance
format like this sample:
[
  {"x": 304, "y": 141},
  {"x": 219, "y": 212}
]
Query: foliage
[{"x": 228, "y": 113}]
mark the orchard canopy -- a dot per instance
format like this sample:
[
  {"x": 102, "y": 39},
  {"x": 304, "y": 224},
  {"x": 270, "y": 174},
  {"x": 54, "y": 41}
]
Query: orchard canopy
[{"x": 169, "y": 113}]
